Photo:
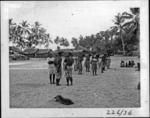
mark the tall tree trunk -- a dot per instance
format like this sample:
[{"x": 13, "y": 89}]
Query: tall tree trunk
[{"x": 123, "y": 45}]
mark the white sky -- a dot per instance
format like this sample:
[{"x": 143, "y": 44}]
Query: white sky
[{"x": 68, "y": 18}]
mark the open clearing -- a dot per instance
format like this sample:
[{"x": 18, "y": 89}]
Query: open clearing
[{"x": 116, "y": 87}]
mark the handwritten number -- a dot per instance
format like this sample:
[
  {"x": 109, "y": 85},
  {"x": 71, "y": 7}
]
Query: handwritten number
[
  {"x": 108, "y": 112},
  {"x": 130, "y": 112},
  {"x": 125, "y": 112},
  {"x": 119, "y": 112},
  {"x": 113, "y": 112}
]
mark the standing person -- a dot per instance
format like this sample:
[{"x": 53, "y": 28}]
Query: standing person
[
  {"x": 94, "y": 65},
  {"x": 75, "y": 64},
  {"x": 103, "y": 63},
  {"x": 99, "y": 62},
  {"x": 51, "y": 68},
  {"x": 138, "y": 65},
  {"x": 133, "y": 63},
  {"x": 108, "y": 59},
  {"x": 80, "y": 59},
  {"x": 87, "y": 63},
  {"x": 68, "y": 63},
  {"x": 57, "y": 62}
]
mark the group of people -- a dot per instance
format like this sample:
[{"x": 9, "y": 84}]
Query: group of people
[
  {"x": 91, "y": 62},
  {"x": 129, "y": 63},
  {"x": 54, "y": 67}
]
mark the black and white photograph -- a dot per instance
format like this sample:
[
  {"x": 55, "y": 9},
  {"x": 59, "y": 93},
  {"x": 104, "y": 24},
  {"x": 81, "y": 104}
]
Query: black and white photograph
[{"x": 74, "y": 55}]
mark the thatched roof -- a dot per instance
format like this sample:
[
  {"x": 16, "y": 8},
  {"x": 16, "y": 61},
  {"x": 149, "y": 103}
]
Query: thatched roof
[
  {"x": 66, "y": 50},
  {"x": 14, "y": 49},
  {"x": 81, "y": 48},
  {"x": 30, "y": 51},
  {"x": 43, "y": 51}
]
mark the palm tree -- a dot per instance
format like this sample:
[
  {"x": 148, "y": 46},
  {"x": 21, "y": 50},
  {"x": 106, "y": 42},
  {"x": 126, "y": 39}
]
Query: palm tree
[
  {"x": 64, "y": 42},
  {"x": 25, "y": 30},
  {"x": 119, "y": 20},
  {"x": 12, "y": 30},
  {"x": 74, "y": 42},
  {"x": 56, "y": 40},
  {"x": 112, "y": 32},
  {"x": 49, "y": 40},
  {"x": 132, "y": 26}
]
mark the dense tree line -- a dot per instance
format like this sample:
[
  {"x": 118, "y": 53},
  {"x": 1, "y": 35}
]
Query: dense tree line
[
  {"x": 123, "y": 36},
  {"x": 25, "y": 35}
]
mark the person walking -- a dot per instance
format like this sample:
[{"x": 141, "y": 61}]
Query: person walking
[
  {"x": 57, "y": 62},
  {"x": 68, "y": 63},
  {"x": 51, "y": 68}
]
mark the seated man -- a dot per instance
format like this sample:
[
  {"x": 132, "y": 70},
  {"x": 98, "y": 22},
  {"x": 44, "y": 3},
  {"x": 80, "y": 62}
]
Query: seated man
[{"x": 122, "y": 64}]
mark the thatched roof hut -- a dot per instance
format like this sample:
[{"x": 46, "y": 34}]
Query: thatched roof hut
[
  {"x": 43, "y": 53},
  {"x": 13, "y": 49}
]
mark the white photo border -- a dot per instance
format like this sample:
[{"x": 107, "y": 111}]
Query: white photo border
[{"x": 142, "y": 111}]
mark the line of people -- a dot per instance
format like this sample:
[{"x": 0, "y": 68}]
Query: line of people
[
  {"x": 92, "y": 63},
  {"x": 70, "y": 63}
]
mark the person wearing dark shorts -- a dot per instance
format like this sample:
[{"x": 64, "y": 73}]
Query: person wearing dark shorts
[
  {"x": 57, "y": 62},
  {"x": 68, "y": 63}
]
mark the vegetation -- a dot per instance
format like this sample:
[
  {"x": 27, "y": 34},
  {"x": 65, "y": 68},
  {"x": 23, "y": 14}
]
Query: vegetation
[
  {"x": 122, "y": 37},
  {"x": 24, "y": 35},
  {"x": 61, "y": 41}
]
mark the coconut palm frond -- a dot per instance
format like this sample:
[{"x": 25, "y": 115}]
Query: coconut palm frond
[
  {"x": 135, "y": 10},
  {"x": 128, "y": 23},
  {"x": 126, "y": 17},
  {"x": 127, "y": 14},
  {"x": 50, "y": 41}
]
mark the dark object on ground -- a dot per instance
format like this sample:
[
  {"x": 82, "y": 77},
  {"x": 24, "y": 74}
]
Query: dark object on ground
[
  {"x": 138, "y": 86},
  {"x": 63, "y": 100}
]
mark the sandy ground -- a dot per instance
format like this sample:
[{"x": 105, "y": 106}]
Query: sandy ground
[{"x": 30, "y": 88}]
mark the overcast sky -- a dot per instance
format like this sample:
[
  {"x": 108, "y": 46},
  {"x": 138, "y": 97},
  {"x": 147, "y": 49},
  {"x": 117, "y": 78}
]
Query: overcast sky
[{"x": 69, "y": 18}]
